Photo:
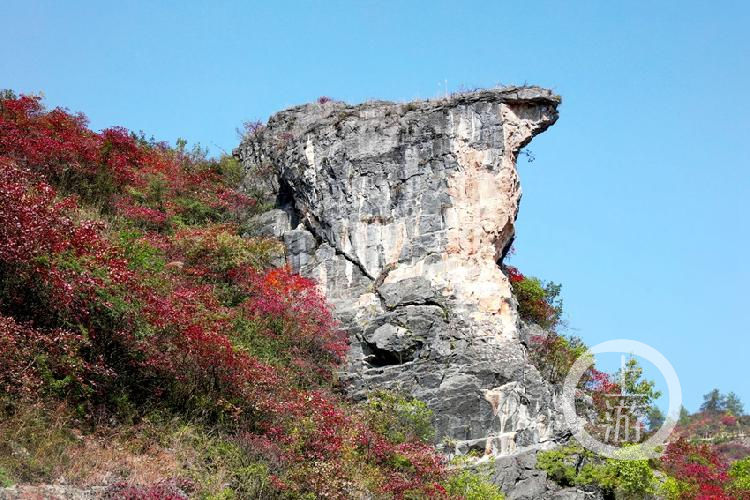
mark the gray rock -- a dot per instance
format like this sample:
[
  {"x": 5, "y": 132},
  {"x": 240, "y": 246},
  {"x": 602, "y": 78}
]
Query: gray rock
[
  {"x": 407, "y": 211},
  {"x": 575, "y": 494},
  {"x": 300, "y": 246},
  {"x": 530, "y": 332},
  {"x": 529, "y": 488},
  {"x": 272, "y": 224},
  {"x": 391, "y": 344},
  {"x": 416, "y": 290}
]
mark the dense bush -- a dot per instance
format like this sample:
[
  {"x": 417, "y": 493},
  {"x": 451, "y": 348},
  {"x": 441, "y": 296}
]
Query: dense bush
[
  {"x": 739, "y": 473},
  {"x": 473, "y": 481},
  {"x": 696, "y": 471},
  {"x": 126, "y": 288},
  {"x": 538, "y": 302},
  {"x": 554, "y": 354},
  {"x": 400, "y": 419},
  {"x": 574, "y": 466}
]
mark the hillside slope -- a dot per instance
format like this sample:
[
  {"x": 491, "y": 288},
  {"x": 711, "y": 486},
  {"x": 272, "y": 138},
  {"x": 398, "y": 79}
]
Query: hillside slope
[{"x": 151, "y": 349}]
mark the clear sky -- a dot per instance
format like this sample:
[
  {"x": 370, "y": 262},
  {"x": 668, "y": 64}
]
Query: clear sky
[{"x": 637, "y": 201}]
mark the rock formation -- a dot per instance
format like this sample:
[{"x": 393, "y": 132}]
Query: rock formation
[{"x": 403, "y": 213}]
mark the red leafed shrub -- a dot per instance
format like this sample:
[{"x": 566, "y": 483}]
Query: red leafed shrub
[
  {"x": 120, "y": 155},
  {"x": 35, "y": 360},
  {"x": 277, "y": 294},
  {"x": 514, "y": 275},
  {"x": 50, "y": 142},
  {"x": 150, "y": 218},
  {"x": 414, "y": 468},
  {"x": 125, "y": 284},
  {"x": 420, "y": 463},
  {"x": 601, "y": 386},
  {"x": 234, "y": 202},
  {"x": 729, "y": 420},
  {"x": 45, "y": 255},
  {"x": 698, "y": 467},
  {"x": 31, "y": 219},
  {"x": 538, "y": 302}
]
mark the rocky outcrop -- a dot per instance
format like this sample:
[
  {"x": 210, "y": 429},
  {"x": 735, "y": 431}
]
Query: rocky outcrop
[{"x": 403, "y": 213}]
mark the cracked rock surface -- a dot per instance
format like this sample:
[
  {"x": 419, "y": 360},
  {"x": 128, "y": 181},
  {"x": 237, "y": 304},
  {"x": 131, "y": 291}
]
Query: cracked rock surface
[{"x": 402, "y": 213}]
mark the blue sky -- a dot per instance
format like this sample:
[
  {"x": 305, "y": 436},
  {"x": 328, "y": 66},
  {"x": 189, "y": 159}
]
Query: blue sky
[{"x": 637, "y": 201}]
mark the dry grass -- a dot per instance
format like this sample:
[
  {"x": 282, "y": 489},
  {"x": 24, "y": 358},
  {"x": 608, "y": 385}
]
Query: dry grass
[
  {"x": 101, "y": 459},
  {"x": 44, "y": 444}
]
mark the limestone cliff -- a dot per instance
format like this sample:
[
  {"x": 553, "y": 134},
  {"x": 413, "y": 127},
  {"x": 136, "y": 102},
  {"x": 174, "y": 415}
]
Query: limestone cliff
[{"x": 403, "y": 213}]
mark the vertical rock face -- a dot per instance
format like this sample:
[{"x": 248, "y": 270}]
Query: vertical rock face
[{"x": 402, "y": 213}]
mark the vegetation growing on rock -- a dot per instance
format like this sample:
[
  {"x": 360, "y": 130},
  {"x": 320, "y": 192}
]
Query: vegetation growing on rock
[
  {"x": 706, "y": 457},
  {"x": 538, "y": 301},
  {"x": 146, "y": 343}
]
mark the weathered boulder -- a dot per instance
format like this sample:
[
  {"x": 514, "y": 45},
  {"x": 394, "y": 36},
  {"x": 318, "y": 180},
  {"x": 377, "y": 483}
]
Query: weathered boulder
[{"x": 403, "y": 213}]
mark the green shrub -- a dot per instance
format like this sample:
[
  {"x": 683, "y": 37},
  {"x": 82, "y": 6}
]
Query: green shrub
[
  {"x": 574, "y": 466},
  {"x": 230, "y": 169},
  {"x": 220, "y": 249},
  {"x": 628, "y": 478},
  {"x": 538, "y": 301},
  {"x": 193, "y": 212},
  {"x": 252, "y": 336},
  {"x": 141, "y": 255},
  {"x": 5, "y": 480},
  {"x": 739, "y": 471},
  {"x": 674, "y": 489},
  {"x": 554, "y": 354},
  {"x": 561, "y": 463},
  {"x": 473, "y": 483},
  {"x": 222, "y": 470},
  {"x": 400, "y": 419}
]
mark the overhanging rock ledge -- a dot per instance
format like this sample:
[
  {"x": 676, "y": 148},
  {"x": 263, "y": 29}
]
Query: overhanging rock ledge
[{"x": 402, "y": 213}]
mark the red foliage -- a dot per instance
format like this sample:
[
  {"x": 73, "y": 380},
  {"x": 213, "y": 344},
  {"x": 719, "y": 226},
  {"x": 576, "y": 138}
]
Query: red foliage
[
  {"x": 729, "y": 420},
  {"x": 151, "y": 218},
  {"x": 120, "y": 154},
  {"x": 163, "y": 490},
  {"x": 79, "y": 318},
  {"x": 42, "y": 244},
  {"x": 699, "y": 466},
  {"x": 514, "y": 275},
  {"x": 409, "y": 461},
  {"x": 538, "y": 302},
  {"x": 233, "y": 201},
  {"x": 28, "y": 355},
  {"x": 31, "y": 223},
  {"x": 50, "y": 142},
  {"x": 601, "y": 385},
  {"x": 278, "y": 293}
]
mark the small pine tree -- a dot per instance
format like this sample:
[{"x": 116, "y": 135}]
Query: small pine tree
[
  {"x": 734, "y": 405},
  {"x": 713, "y": 402}
]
